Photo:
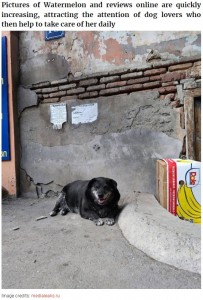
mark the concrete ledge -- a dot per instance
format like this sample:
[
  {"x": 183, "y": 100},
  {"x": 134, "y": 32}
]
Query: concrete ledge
[{"x": 162, "y": 236}]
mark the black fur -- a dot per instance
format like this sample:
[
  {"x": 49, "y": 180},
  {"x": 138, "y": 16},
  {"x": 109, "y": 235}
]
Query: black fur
[{"x": 93, "y": 200}]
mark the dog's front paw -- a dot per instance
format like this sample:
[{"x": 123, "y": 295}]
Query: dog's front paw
[
  {"x": 53, "y": 213},
  {"x": 63, "y": 211},
  {"x": 110, "y": 221},
  {"x": 99, "y": 222}
]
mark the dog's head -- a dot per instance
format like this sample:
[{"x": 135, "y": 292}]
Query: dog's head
[{"x": 103, "y": 190}]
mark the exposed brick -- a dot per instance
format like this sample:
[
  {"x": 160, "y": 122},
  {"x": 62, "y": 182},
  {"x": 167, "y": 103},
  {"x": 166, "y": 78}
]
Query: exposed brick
[
  {"x": 67, "y": 98},
  {"x": 94, "y": 94},
  {"x": 123, "y": 89},
  {"x": 169, "y": 83},
  {"x": 67, "y": 86},
  {"x": 167, "y": 89},
  {"x": 138, "y": 80},
  {"x": 170, "y": 97},
  {"x": 131, "y": 88},
  {"x": 155, "y": 72},
  {"x": 162, "y": 90},
  {"x": 119, "y": 72},
  {"x": 38, "y": 91},
  {"x": 175, "y": 103},
  {"x": 41, "y": 85},
  {"x": 60, "y": 81},
  {"x": 173, "y": 76},
  {"x": 57, "y": 94},
  {"x": 99, "y": 74},
  {"x": 88, "y": 95},
  {"x": 180, "y": 67},
  {"x": 96, "y": 87},
  {"x": 84, "y": 96},
  {"x": 50, "y": 100},
  {"x": 49, "y": 90},
  {"x": 115, "y": 84},
  {"x": 109, "y": 79},
  {"x": 194, "y": 72},
  {"x": 154, "y": 84},
  {"x": 90, "y": 76},
  {"x": 109, "y": 91},
  {"x": 45, "y": 96},
  {"x": 88, "y": 82},
  {"x": 155, "y": 78},
  {"x": 162, "y": 97},
  {"x": 132, "y": 75},
  {"x": 197, "y": 63},
  {"x": 141, "y": 68},
  {"x": 75, "y": 91},
  {"x": 166, "y": 63}
]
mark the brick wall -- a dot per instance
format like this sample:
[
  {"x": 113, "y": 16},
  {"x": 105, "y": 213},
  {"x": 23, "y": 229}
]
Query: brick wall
[
  {"x": 143, "y": 104},
  {"x": 167, "y": 77}
]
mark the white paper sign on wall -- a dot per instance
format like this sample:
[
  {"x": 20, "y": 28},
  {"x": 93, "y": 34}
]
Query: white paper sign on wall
[
  {"x": 58, "y": 115},
  {"x": 86, "y": 113}
]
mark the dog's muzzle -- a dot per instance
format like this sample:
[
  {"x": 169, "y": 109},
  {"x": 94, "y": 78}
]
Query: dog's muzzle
[{"x": 103, "y": 199}]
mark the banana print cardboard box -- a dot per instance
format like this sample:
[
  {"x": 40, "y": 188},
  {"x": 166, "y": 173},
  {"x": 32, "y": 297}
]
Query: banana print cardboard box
[{"x": 179, "y": 188}]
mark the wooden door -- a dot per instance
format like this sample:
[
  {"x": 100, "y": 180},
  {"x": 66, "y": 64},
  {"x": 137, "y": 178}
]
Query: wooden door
[{"x": 197, "y": 121}]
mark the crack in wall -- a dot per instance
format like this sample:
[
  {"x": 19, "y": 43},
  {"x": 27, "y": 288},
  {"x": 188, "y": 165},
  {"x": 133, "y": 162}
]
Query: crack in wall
[
  {"x": 42, "y": 190},
  {"x": 137, "y": 113},
  {"x": 72, "y": 43}
]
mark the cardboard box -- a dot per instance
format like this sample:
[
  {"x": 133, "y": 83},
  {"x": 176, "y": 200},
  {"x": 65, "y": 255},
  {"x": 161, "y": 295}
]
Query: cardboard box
[
  {"x": 179, "y": 187},
  {"x": 161, "y": 182}
]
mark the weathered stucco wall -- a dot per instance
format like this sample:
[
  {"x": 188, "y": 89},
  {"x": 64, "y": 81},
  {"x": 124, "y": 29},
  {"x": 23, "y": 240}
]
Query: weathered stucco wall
[
  {"x": 91, "y": 52},
  {"x": 123, "y": 143},
  {"x": 140, "y": 109}
]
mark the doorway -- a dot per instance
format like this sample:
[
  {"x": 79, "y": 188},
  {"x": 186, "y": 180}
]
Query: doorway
[{"x": 197, "y": 127}]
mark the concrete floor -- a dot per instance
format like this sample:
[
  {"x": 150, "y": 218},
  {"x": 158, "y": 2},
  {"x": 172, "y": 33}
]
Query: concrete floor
[{"x": 68, "y": 252}]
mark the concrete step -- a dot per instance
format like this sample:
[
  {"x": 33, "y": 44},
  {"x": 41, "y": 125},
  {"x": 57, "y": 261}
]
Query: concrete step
[{"x": 162, "y": 236}]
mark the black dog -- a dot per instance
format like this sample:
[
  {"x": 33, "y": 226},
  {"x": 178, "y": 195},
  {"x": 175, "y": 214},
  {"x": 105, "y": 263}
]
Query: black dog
[{"x": 93, "y": 200}]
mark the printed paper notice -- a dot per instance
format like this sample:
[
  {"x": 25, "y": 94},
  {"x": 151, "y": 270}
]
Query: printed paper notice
[
  {"x": 86, "y": 113},
  {"x": 58, "y": 115}
]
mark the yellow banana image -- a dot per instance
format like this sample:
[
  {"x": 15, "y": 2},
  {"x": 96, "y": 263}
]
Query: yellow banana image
[
  {"x": 181, "y": 213},
  {"x": 191, "y": 199},
  {"x": 188, "y": 207},
  {"x": 186, "y": 203}
]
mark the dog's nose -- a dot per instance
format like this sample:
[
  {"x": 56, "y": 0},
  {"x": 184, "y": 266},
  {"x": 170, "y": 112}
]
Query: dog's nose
[{"x": 101, "y": 195}]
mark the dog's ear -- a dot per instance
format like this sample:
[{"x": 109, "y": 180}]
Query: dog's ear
[
  {"x": 91, "y": 182},
  {"x": 113, "y": 183}
]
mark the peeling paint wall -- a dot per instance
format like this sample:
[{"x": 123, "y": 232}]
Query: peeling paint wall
[
  {"x": 90, "y": 52},
  {"x": 136, "y": 78}
]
